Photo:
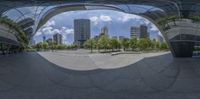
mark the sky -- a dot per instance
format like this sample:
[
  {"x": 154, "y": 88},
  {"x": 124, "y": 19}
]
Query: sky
[{"x": 118, "y": 24}]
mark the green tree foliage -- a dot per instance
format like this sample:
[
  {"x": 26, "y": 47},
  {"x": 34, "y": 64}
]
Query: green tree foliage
[
  {"x": 143, "y": 44},
  {"x": 90, "y": 43},
  {"x": 163, "y": 46},
  {"x": 157, "y": 45},
  {"x": 125, "y": 44},
  {"x": 60, "y": 47},
  {"x": 38, "y": 46},
  {"x": 163, "y": 22},
  {"x": 21, "y": 36},
  {"x": 103, "y": 42},
  {"x": 133, "y": 43},
  {"x": 172, "y": 19},
  {"x": 45, "y": 45},
  {"x": 153, "y": 44},
  {"x": 195, "y": 18},
  {"x": 114, "y": 44},
  {"x": 53, "y": 46}
]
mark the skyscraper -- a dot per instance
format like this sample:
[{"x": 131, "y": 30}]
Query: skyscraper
[
  {"x": 121, "y": 38},
  {"x": 49, "y": 40},
  {"x": 104, "y": 30},
  {"x": 81, "y": 31},
  {"x": 57, "y": 38},
  {"x": 143, "y": 32},
  {"x": 139, "y": 32},
  {"x": 114, "y": 37},
  {"x": 135, "y": 32}
]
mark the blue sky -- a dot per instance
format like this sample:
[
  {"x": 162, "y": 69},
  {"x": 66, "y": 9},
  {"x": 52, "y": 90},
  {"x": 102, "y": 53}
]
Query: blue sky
[{"x": 118, "y": 23}]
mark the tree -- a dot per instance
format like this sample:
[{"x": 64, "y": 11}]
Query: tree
[
  {"x": 144, "y": 43},
  {"x": 38, "y": 46},
  {"x": 60, "y": 47},
  {"x": 90, "y": 44},
  {"x": 153, "y": 44},
  {"x": 45, "y": 45},
  {"x": 22, "y": 37},
  {"x": 103, "y": 42},
  {"x": 157, "y": 45},
  {"x": 114, "y": 44},
  {"x": 173, "y": 18},
  {"x": 52, "y": 45},
  {"x": 163, "y": 46},
  {"x": 133, "y": 43},
  {"x": 125, "y": 43}
]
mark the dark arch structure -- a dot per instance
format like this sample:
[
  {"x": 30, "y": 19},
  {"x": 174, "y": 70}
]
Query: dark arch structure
[{"x": 178, "y": 20}]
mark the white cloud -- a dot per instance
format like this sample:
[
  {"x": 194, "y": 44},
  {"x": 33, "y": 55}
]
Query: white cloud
[
  {"x": 69, "y": 31},
  {"x": 153, "y": 28},
  {"x": 50, "y": 23},
  {"x": 105, "y": 18},
  {"x": 38, "y": 33},
  {"x": 65, "y": 30},
  {"x": 94, "y": 18},
  {"x": 47, "y": 29},
  {"x": 97, "y": 19},
  {"x": 56, "y": 31},
  {"x": 127, "y": 17}
]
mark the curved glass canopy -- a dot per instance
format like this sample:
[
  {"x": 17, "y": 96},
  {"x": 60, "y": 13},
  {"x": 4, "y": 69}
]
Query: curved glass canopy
[{"x": 178, "y": 20}]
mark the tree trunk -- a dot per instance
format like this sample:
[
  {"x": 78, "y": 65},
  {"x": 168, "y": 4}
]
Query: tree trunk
[{"x": 91, "y": 50}]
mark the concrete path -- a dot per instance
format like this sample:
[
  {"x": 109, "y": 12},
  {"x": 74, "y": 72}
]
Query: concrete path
[
  {"x": 81, "y": 60},
  {"x": 30, "y": 76}
]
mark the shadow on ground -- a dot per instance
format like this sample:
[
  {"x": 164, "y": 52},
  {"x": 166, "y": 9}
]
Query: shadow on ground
[{"x": 30, "y": 76}]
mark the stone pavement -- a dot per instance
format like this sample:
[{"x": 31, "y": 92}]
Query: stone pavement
[
  {"x": 30, "y": 76},
  {"x": 82, "y": 60}
]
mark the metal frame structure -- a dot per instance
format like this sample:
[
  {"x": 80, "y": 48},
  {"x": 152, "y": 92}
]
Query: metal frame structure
[{"x": 157, "y": 11}]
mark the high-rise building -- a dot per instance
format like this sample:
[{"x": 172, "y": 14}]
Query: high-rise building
[
  {"x": 49, "y": 40},
  {"x": 135, "y": 32},
  {"x": 104, "y": 30},
  {"x": 57, "y": 38},
  {"x": 143, "y": 32},
  {"x": 122, "y": 38},
  {"x": 139, "y": 32},
  {"x": 81, "y": 31},
  {"x": 114, "y": 37}
]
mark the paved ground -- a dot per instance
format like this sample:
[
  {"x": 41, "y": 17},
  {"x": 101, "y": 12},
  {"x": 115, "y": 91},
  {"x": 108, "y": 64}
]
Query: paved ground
[
  {"x": 84, "y": 60},
  {"x": 30, "y": 76}
]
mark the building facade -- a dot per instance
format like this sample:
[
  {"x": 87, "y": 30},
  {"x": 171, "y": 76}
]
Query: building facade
[
  {"x": 183, "y": 14},
  {"x": 81, "y": 31},
  {"x": 143, "y": 31},
  {"x": 104, "y": 30},
  {"x": 115, "y": 37},
  {"x": 49, "y": 40},
  {"x": 57, "y": 38},
  {"x": 139, "y": 32},
  {"x": 135, "y": 32}
]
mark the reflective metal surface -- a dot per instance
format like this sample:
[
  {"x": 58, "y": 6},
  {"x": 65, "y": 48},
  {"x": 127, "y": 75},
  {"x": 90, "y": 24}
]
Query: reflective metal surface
[{"x": 178, "y": 20}]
